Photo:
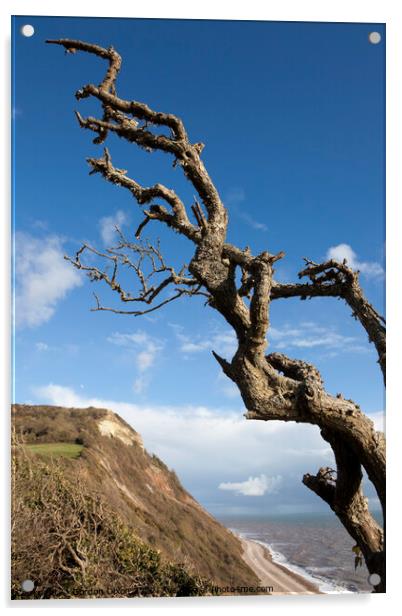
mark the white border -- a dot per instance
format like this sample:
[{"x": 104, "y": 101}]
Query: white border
[{"x": 380, "y": 11}]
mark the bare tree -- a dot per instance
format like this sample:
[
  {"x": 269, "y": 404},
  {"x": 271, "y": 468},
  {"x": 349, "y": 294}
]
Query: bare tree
[{"x": 273, "y": 386}]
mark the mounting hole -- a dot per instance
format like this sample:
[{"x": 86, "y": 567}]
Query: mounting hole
[
  {"x": 374, "y": 579},
  {"x": 27, "y": 30},
  {"x": 374, "y": 38},
  {"x": 27, "y": 585}
]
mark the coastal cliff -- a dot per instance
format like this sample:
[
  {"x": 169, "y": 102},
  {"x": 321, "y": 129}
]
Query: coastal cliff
[{"x": 99, "y": 453}]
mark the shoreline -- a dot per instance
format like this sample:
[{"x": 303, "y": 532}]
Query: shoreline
[{"x": 283, "y": 580}]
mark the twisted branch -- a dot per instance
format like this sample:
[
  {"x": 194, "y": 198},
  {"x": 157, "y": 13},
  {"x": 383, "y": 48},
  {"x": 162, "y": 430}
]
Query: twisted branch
[
  {"x": 344, "y": 495},
  {"x": 178, "y": 219},
  {"x": 334, "y": 279}
]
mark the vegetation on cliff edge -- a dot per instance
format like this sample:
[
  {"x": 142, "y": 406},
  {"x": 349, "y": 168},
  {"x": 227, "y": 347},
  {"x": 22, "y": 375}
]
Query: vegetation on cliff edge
[{"x": 70, "y": 543}]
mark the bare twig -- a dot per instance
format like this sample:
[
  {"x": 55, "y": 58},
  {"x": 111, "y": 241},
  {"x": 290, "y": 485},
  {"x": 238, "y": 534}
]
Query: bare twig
[{"x": 148, "y": 264}]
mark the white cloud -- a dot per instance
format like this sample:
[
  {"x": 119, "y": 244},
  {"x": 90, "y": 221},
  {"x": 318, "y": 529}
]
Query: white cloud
[
  {"x": 344, "y": 251},
  {"x": 145, "y": 350},
  {"x": 59, "y": 395},
  {"x": 200, "y": 442},
  {"x": 108, "y": 224},
  {"x": 308, "y": 335},
  {"x": 145, "y": 359},
  {"x": 146, "y": 347},
  {"x": 223, "y": 342},
  {"x": 43, "y": 278},
  {"x": 254, "y": 486}
]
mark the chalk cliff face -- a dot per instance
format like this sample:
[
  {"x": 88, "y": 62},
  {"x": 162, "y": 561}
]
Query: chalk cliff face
[{"x": 139, "y": 487}]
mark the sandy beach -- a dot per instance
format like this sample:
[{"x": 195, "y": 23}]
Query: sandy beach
[{"x": 283, "y": 581}]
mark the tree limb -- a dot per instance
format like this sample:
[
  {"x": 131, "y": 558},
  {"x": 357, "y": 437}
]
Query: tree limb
[
  {"x": 334, "y": 279},
  {"x": 178, "y": 220},
  {"x": 345, "y": 497}
]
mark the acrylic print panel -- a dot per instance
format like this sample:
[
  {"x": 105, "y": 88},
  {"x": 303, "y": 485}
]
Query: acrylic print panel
[{"x": 183, "y": 423}]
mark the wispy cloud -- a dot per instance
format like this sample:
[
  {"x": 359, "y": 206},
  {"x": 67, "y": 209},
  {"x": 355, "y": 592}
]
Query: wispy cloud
[
  {"x": 223, "y": 342},
  {"x": 141, "y": 383},
  {"x": 43, "y": 278},
  {"x": 309, "y": 335},
  {"x": 254, "y": 486},
  {"x": 233, "y": 199},
  {"x": 108, "y": 224},
  {"x": 69, "y": 348},
  {"x": 145, "y": 351},
  {"x": 304, "y": 335},
  {"x": 371, "y": 269},
  {"x": 146, "y": 347},
  {"x": 252, "y": 222}
]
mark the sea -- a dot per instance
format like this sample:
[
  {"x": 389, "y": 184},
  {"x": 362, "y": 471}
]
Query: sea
[{"x": 315, "y": 546}]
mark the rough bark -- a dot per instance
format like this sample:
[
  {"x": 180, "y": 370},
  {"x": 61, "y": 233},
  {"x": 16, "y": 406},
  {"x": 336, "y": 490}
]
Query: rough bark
[{"x": 273, "y": 386}]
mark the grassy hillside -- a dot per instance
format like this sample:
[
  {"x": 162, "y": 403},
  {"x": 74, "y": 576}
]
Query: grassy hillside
[{"x": 112, "y": 464}]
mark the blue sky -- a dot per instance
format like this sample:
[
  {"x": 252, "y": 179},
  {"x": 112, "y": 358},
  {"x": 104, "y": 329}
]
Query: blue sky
[{"x": 292, "y": 115}]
